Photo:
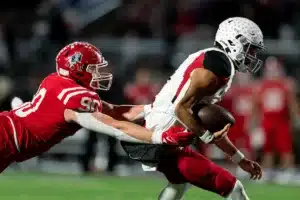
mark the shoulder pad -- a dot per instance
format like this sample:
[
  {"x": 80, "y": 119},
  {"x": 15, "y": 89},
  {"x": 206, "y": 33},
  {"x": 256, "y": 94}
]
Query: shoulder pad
[{"x": 218, "y": 63}]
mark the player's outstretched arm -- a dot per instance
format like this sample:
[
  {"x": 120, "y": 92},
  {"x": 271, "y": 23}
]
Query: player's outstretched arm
[
  {"x": 124, "y": 130},
  {"x": 237, "y": 157},
  {"x": 105, "y": 124}
]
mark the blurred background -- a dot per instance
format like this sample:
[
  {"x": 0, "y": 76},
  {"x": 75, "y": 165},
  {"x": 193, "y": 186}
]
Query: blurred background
[{"x": 144, "y": 41}]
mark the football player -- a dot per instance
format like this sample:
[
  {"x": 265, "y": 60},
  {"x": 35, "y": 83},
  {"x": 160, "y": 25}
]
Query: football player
[
  {"x": 203, "y": 78},
  {"x": 34, "y": 127},
  {"x": 276, "y": 107}
]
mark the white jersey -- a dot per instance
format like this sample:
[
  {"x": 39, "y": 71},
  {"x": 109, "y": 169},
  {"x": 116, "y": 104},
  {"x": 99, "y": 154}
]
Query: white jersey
[{"x": 162, "y": 115}]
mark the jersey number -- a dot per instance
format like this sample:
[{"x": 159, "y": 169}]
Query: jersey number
[
  {"x": 273, "y": 100},
  {"x": 89, "y": 104},
  {"x": 32, "y": 106}
]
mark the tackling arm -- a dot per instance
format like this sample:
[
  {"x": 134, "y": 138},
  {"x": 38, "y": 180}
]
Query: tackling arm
[
  {"x": 105, "y": 124},
  {"x": 126, "y": 131}
]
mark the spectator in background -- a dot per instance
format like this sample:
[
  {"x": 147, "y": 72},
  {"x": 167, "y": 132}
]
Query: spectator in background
[
  {"x": 296, "y": 19},
  {"x": 9, "y": 36},
  {"x": 270, "y": 15},
  {"x": 137, "y": 17},
  {"x": 59, "y": 31},
  {"x": 180, "y": 18},
  {"x": 141, "y": 91},
  {"x": 276, "y": 105},
  {"x": 6, "y": 93},
  {"x": 297, "y": 135},
  {"x": 185, "y": 17}
]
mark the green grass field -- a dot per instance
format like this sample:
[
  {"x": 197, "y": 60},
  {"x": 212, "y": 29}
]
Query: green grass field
[{"x": 56, "y": 187}]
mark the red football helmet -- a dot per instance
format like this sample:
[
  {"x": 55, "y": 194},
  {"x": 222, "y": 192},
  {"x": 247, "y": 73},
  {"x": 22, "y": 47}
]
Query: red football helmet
[{"x": 82, "y": 62}]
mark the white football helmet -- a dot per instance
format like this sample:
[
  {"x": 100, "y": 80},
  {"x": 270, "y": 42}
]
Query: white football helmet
[{"x": 241, "y": 39}]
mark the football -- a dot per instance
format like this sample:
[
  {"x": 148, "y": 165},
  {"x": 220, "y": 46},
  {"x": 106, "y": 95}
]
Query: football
[{"x": 214, "y": 117}]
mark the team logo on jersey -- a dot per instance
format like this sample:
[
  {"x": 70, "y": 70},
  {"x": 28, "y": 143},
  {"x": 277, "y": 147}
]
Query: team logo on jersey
[{"x": 74, "y": 59}]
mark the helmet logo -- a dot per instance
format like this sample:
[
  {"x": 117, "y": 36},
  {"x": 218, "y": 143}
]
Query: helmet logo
[{"x": 74, "y": 59}]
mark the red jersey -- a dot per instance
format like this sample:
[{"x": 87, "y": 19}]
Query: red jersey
[
  {"x": 274, "y": 99},
  {"x": 239, "y": 101},
  {"x": 40, "y": 124}
]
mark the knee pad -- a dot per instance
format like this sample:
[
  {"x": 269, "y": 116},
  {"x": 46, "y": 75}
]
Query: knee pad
[{"x": 238, "y": 192}]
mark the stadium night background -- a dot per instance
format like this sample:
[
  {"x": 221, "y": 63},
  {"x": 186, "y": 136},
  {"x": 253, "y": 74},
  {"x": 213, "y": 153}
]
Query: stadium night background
[{"x": 144, "y": 41}]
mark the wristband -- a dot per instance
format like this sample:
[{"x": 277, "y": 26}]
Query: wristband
[
  {"x": 237, "y": 157},
  {"x": 207, "y": 137}
]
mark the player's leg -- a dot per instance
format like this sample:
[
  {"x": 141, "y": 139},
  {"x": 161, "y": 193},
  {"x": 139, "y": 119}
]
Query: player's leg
[
  {"x": 283, "y": 143},
  {"x": 205, "y": 174},
  {"x": 177, "y": 184},
  {"x": 194, "y": 168},
  {"x": 190, "y": 166},
  {"x": 8, "y": 148},
  {"x": 238, "y": 192},
  {"x": 268, "y": 153},
  {"x": 177, "y": 191},
  {"x": 173, "y": 191},
  {"x": 284, "y": 146}
]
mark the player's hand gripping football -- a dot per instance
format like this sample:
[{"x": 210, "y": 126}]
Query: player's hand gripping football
[
  {"x": 253, "y": 168},
  {"x": 222, "y": 133}
]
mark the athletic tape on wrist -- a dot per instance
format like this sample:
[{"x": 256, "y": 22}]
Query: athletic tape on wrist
[
  {"x": 237, "y": 157},
  {"x": 207, "y": 137}
]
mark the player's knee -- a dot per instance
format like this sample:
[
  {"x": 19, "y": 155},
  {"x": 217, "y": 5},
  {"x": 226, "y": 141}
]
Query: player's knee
[
  {"x": 195, "y": 168},
  {"x": 173, "y": 192},
  {"x": 224, "y": 181},
  {"x": 238, "y": 192}
]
